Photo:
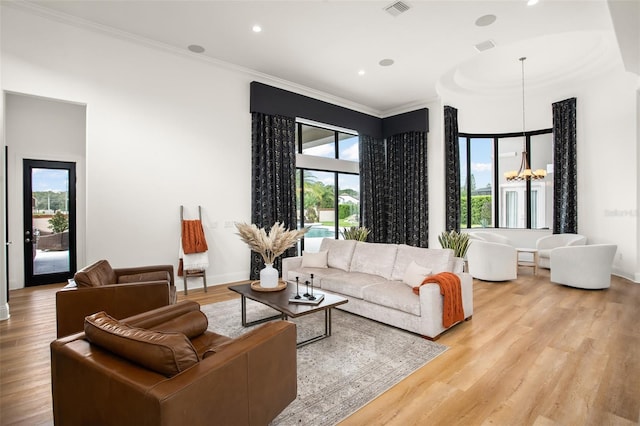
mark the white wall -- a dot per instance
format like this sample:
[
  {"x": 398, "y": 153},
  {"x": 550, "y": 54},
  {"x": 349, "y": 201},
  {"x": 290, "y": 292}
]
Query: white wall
[
  {"x": 607, "y": 115},
  {"x": 163, "y": 130},
  {"x": 41, "y": 129}
]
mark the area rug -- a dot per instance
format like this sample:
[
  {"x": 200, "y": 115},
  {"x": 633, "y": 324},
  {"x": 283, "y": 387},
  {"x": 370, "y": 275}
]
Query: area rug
[{"x": 338, "y": 375}]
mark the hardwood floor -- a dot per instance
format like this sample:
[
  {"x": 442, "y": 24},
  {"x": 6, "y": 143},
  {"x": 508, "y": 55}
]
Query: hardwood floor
[{"x": 534, "y": 353}]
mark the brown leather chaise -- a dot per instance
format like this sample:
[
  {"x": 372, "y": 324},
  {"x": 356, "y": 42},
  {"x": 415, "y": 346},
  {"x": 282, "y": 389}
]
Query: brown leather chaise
[
  {"x": 122, "y": 292},
  {"x": 163, "y": 367}
]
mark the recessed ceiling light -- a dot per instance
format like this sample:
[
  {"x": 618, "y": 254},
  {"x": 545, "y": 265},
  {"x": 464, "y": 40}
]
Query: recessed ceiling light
[
  {"x": 485, "y": 20},
  {"x": 532, "y": 2},
  {"x": 361, "y": 72},
  {"x": 196, "y": 48},
  {"x": 386, "y": 62},
  {"x": 256, "y": 28}
]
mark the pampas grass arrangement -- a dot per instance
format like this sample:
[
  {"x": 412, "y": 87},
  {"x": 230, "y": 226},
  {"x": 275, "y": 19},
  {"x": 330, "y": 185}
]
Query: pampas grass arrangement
[{"x": 270, "y": 245}]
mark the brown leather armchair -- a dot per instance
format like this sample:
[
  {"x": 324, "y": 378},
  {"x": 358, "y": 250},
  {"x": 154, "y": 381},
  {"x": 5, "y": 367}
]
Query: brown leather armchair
[
  {"x": 164, "y": 368},
  {"x": 120, "y": 291}
]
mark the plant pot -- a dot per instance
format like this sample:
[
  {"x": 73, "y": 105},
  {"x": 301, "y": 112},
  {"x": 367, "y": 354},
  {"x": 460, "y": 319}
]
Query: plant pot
[{"x": 268, "y": 276}]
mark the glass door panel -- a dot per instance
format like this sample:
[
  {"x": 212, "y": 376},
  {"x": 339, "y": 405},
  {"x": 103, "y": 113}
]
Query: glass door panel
[{"x": 49, "y": 218}]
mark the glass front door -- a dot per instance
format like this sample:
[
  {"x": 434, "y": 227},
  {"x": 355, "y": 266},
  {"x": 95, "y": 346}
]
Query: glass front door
[{"x": 49, "y": 221}]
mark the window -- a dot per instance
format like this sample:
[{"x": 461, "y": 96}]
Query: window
[
  {"x": 327, "y": 183},
  {"x": 487, "y": 199}
]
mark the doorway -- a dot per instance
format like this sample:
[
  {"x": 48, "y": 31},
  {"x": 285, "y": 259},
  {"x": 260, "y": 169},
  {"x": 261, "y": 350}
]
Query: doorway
[{"x": 49, "y": 191}]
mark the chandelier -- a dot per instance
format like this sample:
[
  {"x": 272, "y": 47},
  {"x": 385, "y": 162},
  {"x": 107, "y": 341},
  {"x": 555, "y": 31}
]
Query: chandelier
[{"x": 524, "y": 172}]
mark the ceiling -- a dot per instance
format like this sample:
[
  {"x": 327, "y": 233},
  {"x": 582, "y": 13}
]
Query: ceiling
[{"x": 322, "y": 45}]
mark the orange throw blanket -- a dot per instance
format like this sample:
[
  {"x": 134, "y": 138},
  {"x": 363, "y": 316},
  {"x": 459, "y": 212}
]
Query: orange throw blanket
[
  {"x": 193, "y": 240},
  {"x": 449, "y": 283}
]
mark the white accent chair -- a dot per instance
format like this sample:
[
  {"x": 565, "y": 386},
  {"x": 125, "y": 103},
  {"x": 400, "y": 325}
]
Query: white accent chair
[
  {"x": 491, "y": 237},
  {"x": 491, "y": 257},
  {"x": 550, "y": 242},
  {"x": 586, "y": 267}
]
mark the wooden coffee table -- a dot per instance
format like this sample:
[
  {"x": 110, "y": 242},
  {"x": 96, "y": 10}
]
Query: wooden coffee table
[{"x": 279, "y": 300}]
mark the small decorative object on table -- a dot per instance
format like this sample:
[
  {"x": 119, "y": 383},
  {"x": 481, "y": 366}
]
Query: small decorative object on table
[
  {"x": 269, "y": 246},
  {"x": 255, "y": 285},
  {"x": 297, "y": 296},
  {"x": 312, "y": 297}
]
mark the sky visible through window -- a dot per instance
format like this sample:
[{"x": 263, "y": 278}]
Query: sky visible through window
[
  {"x": 481, "y": 161},
  {"x": 349, "y": 152},
  {"x": 55, "y": 180}
]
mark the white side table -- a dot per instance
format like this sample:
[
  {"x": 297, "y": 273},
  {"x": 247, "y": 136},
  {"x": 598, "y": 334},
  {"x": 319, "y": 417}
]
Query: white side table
[{"x": 528, "y": 263}]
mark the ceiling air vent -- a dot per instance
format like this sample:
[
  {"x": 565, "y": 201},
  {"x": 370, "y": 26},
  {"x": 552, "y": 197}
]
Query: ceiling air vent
[
  {"x": 397, "y": 8},
  {"x": 485, "y": 45}
]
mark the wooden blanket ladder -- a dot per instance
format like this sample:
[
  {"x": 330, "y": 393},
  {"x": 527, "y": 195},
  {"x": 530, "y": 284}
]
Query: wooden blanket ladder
[{"x": 195, "y": 273}]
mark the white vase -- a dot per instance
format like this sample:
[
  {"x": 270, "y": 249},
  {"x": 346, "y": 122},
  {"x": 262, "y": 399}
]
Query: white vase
[{"x": 269, "y": 276}]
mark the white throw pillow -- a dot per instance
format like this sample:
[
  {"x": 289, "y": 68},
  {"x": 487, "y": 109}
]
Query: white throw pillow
[
  {"x": 415, "y": 274},
  {"x": 314, "y": 260}
]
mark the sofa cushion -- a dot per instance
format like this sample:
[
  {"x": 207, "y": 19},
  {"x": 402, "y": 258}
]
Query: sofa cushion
[
  {"x": 164, "y": 353},
  {"x": 374, "y": 258},
  {"x": 144, "y": 277},
  {"x": 319, "y": 274},
  {"x": 415, "y": 274},
  {"x": 394, "y": 295},
  {"x": 314, "y": 260},
  {"x": 96, "y": 274},
  {"x": 339, "y": 252},
  {"x": 439, "y": 260},
  {"x": 351, "y": 284}
]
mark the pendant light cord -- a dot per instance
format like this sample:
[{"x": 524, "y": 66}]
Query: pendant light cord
[{"x": 522, "y": 59}]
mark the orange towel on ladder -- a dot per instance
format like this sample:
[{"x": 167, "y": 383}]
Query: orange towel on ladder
[
  {"x": 452, "y": 310},
  {"x": 193, "y": 240}
]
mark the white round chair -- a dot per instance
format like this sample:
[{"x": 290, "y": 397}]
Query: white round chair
[
  {"x": 550, "y": 242},
  {"x": 490, "y": 261},
  {"x": 586, "y": 267}
]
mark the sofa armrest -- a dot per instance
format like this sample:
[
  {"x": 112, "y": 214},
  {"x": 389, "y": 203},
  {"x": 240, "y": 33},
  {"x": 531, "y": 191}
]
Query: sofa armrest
[
  {"x": 457, "y": 265},
  {"x": 289, "y": 264},
  {"x": 432, "y": 302},
  {"x": 142, "y": 269},
  {"x": 118, "y": 300}
]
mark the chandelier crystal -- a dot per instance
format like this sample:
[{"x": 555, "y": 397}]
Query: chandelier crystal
[{"x": 524, "y": 172}]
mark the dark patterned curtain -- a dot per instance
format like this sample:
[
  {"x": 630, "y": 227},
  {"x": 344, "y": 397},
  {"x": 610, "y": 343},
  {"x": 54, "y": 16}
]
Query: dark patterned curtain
[
  {"x": 452, "y": 171},
  {"x": 373, "y": 192},
  {"x": 407, "y": 219},
  {"x": 273, "y": 188},
  {"x": 565, "y": 174}
]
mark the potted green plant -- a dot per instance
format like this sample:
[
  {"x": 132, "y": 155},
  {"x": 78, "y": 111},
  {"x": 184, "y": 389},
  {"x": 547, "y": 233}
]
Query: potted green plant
[
  {"x": 456, "y": 241},
  {"x": 358, "y": 233}
]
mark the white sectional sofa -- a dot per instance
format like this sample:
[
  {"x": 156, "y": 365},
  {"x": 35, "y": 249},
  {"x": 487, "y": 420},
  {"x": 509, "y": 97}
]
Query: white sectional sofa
[{"x": 372, "y": 275}]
